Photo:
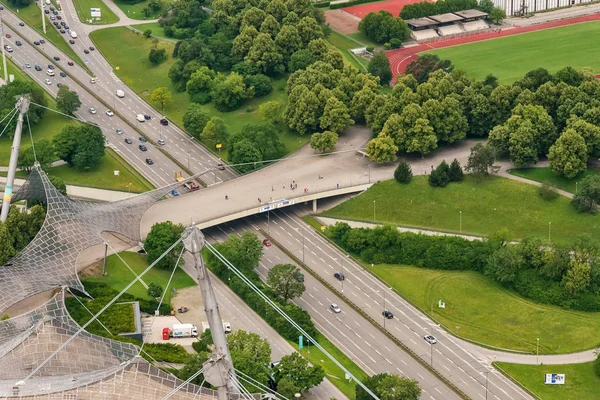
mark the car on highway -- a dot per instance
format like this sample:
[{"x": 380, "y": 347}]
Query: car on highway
[
  {"x": 191, "y": 186},
  {"x": 119, "y": 131},
  {"x": 56, "y": 24},
  {"x": 267, "y": 242},
  {"x": 21, "y": 23},
  {"x": 86, "y": 51},
  {"x": 8, "y": 48},
  {"x": 164, "y": 122},
  {"x": 50, "y": 73},
  {"x": 109, "y": 113},
  {"x": 299, "y": 276},
  {"x": 387, "y": 314},
  {"x": 147, "y": 117},
  {"x": 221, "y": 166},
  {"x": 27, "y": 65},
  {"x": 46, "y": 11},
  {"x": 56, "y": 58},
  {"x": 174, "y": 192},
  {"x": 38, "y": 68},
  {"x": 149, "y": 161},
  {"x": 63, "y": 74},
  {"x": 93, "y": 80},
  {"x": 161, "y": 142},
  {"x": 120, "y": 94},
  {"x": 58, "y": 17},
  {"x": 42, "y": 41},
  {"x": 50, "y": 66},
  {"x": 1, "y": 8},
  {"x": 92, "y": 110},
  {"x": 52, "y": 18},
  {"x": 143, "y": 139},
  {"x": 18, "y": 43},
  {"x": 339, "y": 276},
  {"x": 48, "y": 82},
  {"x": 70, "y": 63},
  {"x": 37, "y": 43},
  {"x": 58, "y": 84},
  {"x": 140, "y": 118},
  {"x": 128, "y": 140},
  {"x": 335, "y": 308},
  {"x": 92, "y": 48},
  {"x": 430, "y": 339},
  {"x": 142, "y": 147},
  {"x": 63, "y": 31},
  {"x": 66, "y": 25},
  {"x": 8, "y": 35},
  {"x": 71, "y": 41}
]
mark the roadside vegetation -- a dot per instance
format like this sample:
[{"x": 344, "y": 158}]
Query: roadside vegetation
[{"x": 145, "y": 9}]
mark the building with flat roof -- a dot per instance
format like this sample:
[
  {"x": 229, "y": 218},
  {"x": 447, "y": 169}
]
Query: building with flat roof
[{"x": 421, "y": 23}]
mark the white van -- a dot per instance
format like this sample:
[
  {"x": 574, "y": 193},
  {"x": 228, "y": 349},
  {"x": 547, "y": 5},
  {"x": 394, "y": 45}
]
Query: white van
[
  {"x": 50, "y": 72},
  {"x": 73, "y": 34},
  {"x": 48, "y": 2},
  {"x": 120, "y": 93}
]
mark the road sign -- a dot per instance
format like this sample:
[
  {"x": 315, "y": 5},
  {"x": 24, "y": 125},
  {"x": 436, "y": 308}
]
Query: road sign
[
  {"x": 554, "y": 379},
  {"x": 441, "y": 304},
  {"x": 116, "y": 172},
  {"x": 218, "y": 145},
  {"x": 300, "y": 341},
  {"x": 96, "y": 13}
]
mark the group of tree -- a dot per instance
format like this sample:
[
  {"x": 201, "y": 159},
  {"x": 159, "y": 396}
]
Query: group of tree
[
  {"x": 251, "y": 355},
  {"x": 244, "y": 252},
  {"x": 8, "y": 97},
  {"x": 81, "y": 146},
  {"x": 161, "y": 237},
  {"x": 286, "y": 281},
  {"x": 67, "y": 100},
  {"x": 254, "y": 144},
  {"x": 389, "y": 387},
  {"x": 383, "y": 27},
  {"x": 24, "y": 225},
  {"x": 561, "y": 275},
  {"x": 443, "y": 174},
  {"x": 426, "y": 9}
]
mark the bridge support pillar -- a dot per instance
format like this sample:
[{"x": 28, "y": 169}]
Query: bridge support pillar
[{"x": 315, "y": 205}]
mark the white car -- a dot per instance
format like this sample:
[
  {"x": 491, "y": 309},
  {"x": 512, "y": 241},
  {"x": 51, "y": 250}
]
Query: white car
[
  {"x": 48, "y": 82},
  {"x": 109, "y": 113},
  {"x": 92, "y": 110},
  {"x": 335, "y": 308},
  {"x": 430, "y": 339},
  {"x": 93, "y": 80},
  {"x": 140, "y": 118},
  {"x": 27, "y": 65},
  {"x": 120, "y": 93}
]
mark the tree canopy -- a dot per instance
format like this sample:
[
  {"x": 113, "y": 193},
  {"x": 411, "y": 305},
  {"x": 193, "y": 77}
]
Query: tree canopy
[
  {"x": 162, "y": 235},
  {"x": 81, "y": 146},
  {"x": 382, "y": 26}
]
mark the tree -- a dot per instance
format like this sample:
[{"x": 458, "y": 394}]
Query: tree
[
  {"x": 155, "y": 290},
  {"x": 569, "y": 155},
  {"x": 588, "y": 196},
  {"x": 270, "y": 26},
  {"x": 504, "y": 264},
  {"x": 283, "y": 279},
  {"x": 7, "y": 251},
  {"x": 302, "y": 111},
  {"x": 309, "y": 30},
  {"x": 578, "y": 276},
  {"x": 59, "y": 184},
  {"x": 301, "y": 59},
  {"x": 486, "y": 6},
  {"x": 287, "y": 388},
  {"x": 324, "y": 141},
  {"x": 147, "y": 33},
  {"x": 157, "y": 56},
  {"x": 455, "y": 172},
  {"x": 162, "y": 235},
  {"x": 191, "y": 367},
  {"x": 215, "y": 131},
  {"x": 250, "y": 354},
  {"x": 382, "y": 27},
  {"x": 270, "y": 111},
  {"x": 380, "y": 66},
  {"x": 389, "y": 387},
  {"x": 381, "y": 149},
  {"x": 67, "y": 100},
  {"x": 200, "y": 84},
  {"x": 288, "y": 42},
  {"x": 264, "y": 137},
  {"x": 80, "y": 146},
  {"x": 161, "y": 95},
  {"x": 44, "y": 153},
  {"x": 548, "y": 192},
  {"x": 261, "y": 84},
  {"x": 497, "y": 15},
  {"x": 195, "y": 119},
  {"x": 297, "y": 368},
  {"x": 335, "y": 116},
  {"x": 403, "y": 173},
  {"x": 229, "y": 93},
  {"x": 265, "y": 55},
  {"x": 425, "y": 65},
  {"x": 481, "y": 161},
  {"x": 439, "y": 176}
]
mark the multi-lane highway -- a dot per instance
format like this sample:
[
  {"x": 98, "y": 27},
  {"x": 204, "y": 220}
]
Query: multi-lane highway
[{"x": 102, "y": 96}]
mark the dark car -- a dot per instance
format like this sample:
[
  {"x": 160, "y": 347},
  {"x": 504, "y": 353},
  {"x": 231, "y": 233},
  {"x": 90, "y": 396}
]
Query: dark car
[
  {"x": 46, "y": 11},
  {"x": 18, "y": 43},
  {"x": 92, "y": 48},
  {"x": 50, "y": 66},
  {"x": 63, "y": 31},
  {"x": 63, "y": 23},
  {"x": 58, "y": 84},
  {"x": 143, "y": 139},
  {"x": 143, "y": 148},
  {"x": 63, "y": 74},
  {"x": 221, "y": 167},
  {"x": 42, "y": 41},
  {"x": 71, "y": 41},
  {"x": 86, "y": 51},
  {"x": 71, "y": 63},
  {"x": 339, "y": 276},
  {"x": 66, "y": 25},
  {"x": 58, "y": 17},
  {"x": 51, "y": 8},
  {"x": 149, "y": 161},
  {"x": 299, "y": 276},
  {"x": 21, "y": 23},
  {"x": 36, "y": 43},
  {"x": 38, "y": 68},
  {"x": 164, "y": 122},
  {"x": 56, "y": 58},
  {"x": 387, "y": 314},
  {"x": 147, "y": 117},
  {"x": 128, "y": 140}
]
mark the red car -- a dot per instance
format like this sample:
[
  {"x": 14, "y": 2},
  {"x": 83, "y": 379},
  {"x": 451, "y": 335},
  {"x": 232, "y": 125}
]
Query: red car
[
  {"x": 70, "y": 63},
  {"x": 8, "y": 35},
  {"x": 267, "y": 242}
]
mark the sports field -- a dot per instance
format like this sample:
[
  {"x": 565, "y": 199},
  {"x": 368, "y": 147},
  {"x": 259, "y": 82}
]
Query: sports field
[{"x": 509, "y": 58}]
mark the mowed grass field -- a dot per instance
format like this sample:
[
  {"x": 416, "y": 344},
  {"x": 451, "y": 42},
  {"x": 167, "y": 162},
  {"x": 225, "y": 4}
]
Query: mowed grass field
[
  {"x": 546, "y": 175},
  {"x": 487, "y": 207},
  {"x": 509, "y": 58},
  {"x": 128, "y": 51},
  {"x": 580, "y": 381},
  {"x": 480, "y": 309}
]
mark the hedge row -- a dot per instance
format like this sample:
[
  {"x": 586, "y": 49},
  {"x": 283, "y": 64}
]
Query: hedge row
[{"x": 323, "y": 4}]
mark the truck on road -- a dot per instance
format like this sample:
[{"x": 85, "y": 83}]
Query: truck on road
[
  {"x": 226, "y": 327},
  {"x": 180, "y": 331}
]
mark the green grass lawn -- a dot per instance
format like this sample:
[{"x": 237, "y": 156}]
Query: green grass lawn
[
  {"x": 580, "y": 381},
  {"x": 509, "y": 58},
  {"x": 344, "y": 43},
  {"x": 134, "y": 11},
  {"x": 85, "y": 15},
  {"x": 546, "y": 175},
  {"x": 334, "y": 373},
  {"x": 487, "y": 207},
  {"x": 129, "y": 51},
  {"x": 118, "y": 276},
  {"x": 157, "y": 30},
  {"x": 32, "y": 16},
  {"x": 486, "y": 312}
]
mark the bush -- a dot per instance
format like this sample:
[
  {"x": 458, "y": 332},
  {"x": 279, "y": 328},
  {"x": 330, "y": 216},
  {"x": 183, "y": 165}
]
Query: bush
[
  {"x": 395, "y": 43},
  {"x": 387, "y": 45},
  {"x": 455, "y": 173},
  {"x": 322, "y": 4},
  {"x": 403, "y": 173},
  {"x": 147, "y": 33},
  {"x": 157, "y": 56},
  {"x": 261, "y": 84},
  {"x": 370, "y": 48},
  {"x": 155, "y": 290},
  {"x": 439, "y": 176},
  {"x": 548, "y": 192},
  {"x": 168, "y": 352}
]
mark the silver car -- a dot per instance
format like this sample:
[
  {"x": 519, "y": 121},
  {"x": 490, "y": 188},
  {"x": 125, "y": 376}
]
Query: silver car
[
  {"x": 430, "y": 339},
  {"x": 335, "y": 308}
]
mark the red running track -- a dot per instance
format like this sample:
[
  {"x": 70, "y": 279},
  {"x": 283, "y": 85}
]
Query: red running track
[
  {"x": 393, "y": 6},
  {"x": 400, "y": 58}
]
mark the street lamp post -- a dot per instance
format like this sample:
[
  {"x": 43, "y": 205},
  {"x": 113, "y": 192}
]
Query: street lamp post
[
  {"x": 129, "y": 189},
  {"x": 537, "y": 351}
]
